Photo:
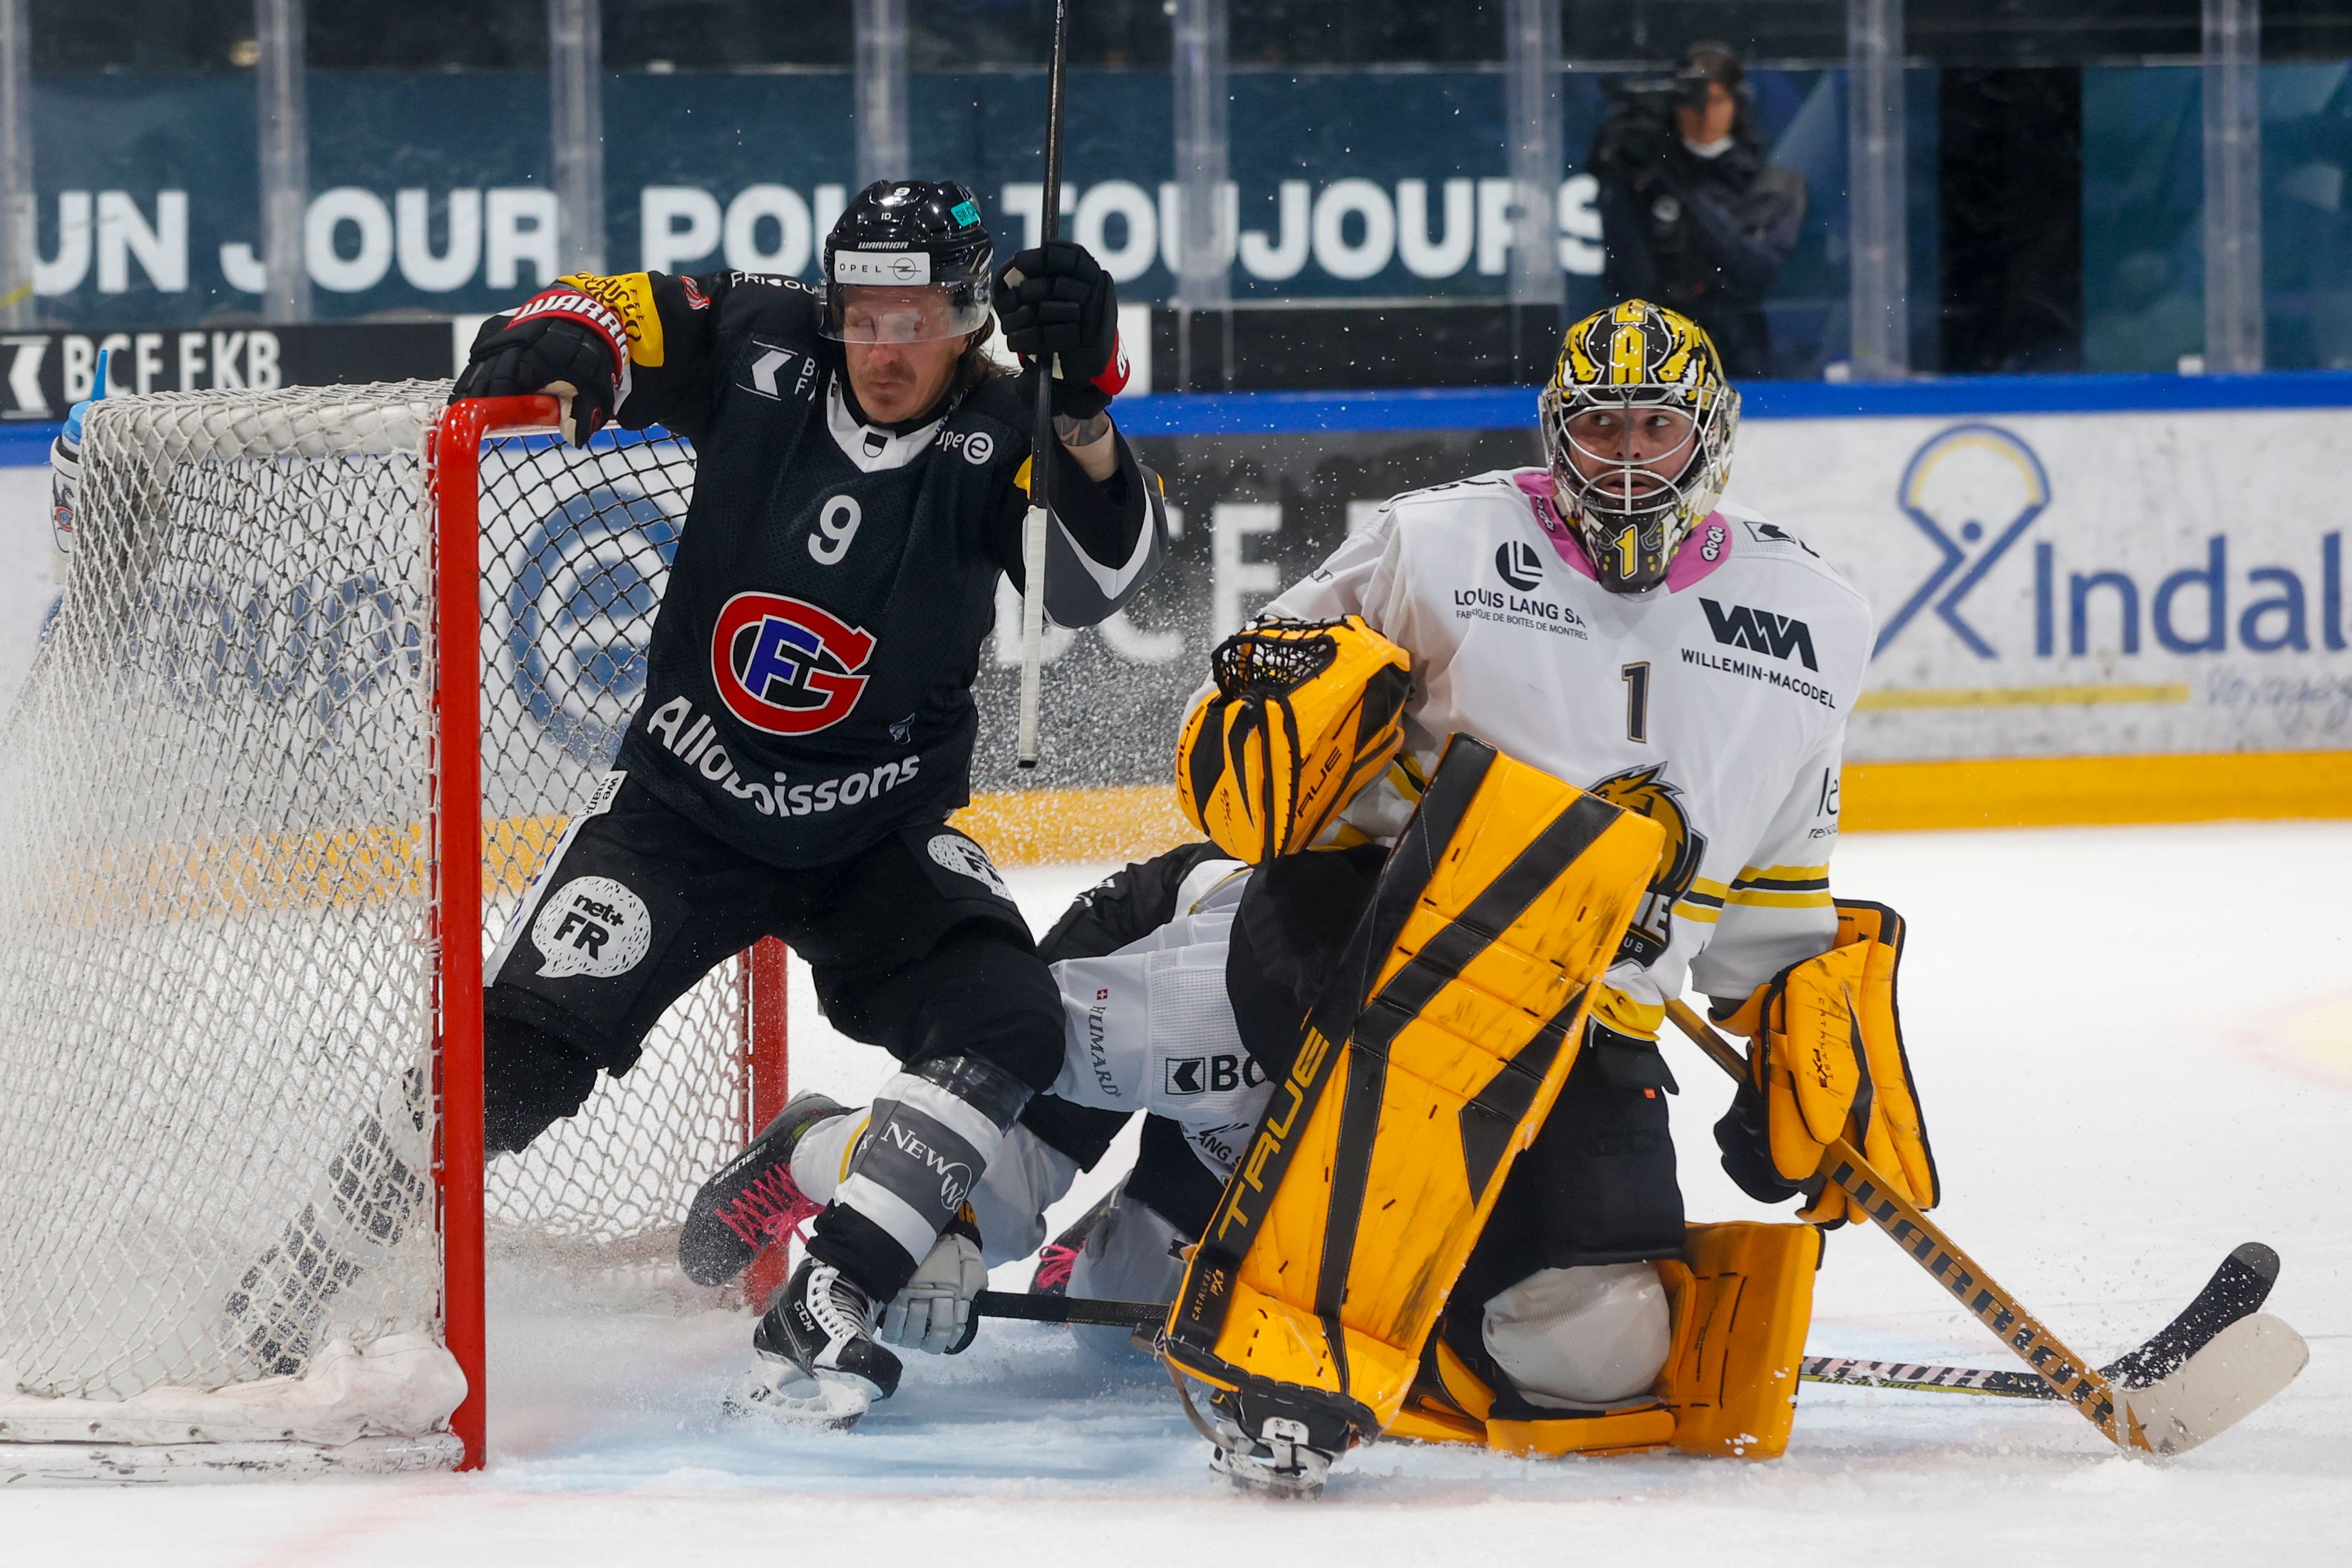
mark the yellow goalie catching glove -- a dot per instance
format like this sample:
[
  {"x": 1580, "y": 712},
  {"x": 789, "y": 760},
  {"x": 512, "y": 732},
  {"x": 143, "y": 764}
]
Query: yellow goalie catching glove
[
  {"x": 1304, "y": 714},
  {"x": 1826, "y": 1061}
]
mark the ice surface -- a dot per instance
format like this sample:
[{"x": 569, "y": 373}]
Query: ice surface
[{"x": 2135, "y": 1047}]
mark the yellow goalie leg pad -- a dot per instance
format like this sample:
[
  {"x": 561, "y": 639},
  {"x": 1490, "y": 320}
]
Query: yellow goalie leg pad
[
  {"x": 1453, "y": 1018},
  {"x": 1620, "y": 1432},
  {"x": 1451, "y": 1404},
  {"x": 1742, "y": 1301},
  {"x": 1448, "y": 1403}
]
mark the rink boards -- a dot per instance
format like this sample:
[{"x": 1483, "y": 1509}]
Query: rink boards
[{"x": 2097, "y": 598}]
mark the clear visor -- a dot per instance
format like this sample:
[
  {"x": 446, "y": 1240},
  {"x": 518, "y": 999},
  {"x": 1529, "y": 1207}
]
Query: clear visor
[
  {"x": 1627, "y": 457},
  {"x": 875, "y": 314}
]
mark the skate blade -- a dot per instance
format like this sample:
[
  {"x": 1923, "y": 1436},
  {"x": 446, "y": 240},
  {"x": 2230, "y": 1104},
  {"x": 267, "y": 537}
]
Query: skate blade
[
  {"x": 791, "y": 1397},
  {"x": 2241, "y": 1369},
  {"x": 1302, "y": 1478}
]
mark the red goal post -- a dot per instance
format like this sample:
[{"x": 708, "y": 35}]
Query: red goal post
[
  {"x": 453, "y": 463},
  {"x": 334, "y": 668}
]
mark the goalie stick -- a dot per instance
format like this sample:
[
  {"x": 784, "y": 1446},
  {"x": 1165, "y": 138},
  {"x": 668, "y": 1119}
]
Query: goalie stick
[
  {"x": 2210, "y": 1366},
  {"x": 2241, "y": 1367},
  {"x": 2237, "y": 1288}
]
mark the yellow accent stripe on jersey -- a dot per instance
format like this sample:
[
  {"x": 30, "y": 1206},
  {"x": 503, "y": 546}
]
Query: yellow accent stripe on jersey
[
  {"x": 1702, "y": 902},
  {"x": 1780, "y": 873},
  {"x": 1759, "y": 899},
  {"x": 849, "y": 1150}
]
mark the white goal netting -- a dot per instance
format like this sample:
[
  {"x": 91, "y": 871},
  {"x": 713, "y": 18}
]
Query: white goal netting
[{"x": 216, "y": 975}]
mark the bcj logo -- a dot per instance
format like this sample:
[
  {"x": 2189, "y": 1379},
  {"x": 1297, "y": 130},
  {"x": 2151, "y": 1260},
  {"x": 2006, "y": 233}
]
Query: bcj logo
[{"x": 1974, "y": 490}]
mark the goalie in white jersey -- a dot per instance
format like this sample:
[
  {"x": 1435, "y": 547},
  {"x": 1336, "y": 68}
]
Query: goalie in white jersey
[{"x": 1605, "y": 618}]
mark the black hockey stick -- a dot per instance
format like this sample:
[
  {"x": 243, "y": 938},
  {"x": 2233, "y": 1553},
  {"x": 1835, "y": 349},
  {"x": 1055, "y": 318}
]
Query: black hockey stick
[
  {"x": 2237, "y": 1288},
  {"x": 1032, "y": 535},
  {"x": 1030, "y": 1308}
]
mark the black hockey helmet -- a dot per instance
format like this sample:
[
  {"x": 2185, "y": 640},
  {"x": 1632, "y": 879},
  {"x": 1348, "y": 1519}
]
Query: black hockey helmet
[{"x": 909, "y": 260}]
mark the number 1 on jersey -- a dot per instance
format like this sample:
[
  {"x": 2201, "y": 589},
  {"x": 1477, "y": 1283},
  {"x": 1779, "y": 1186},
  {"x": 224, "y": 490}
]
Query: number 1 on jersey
[{"x": 1636, "y": 678}]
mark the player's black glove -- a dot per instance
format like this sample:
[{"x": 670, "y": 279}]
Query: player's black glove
[
  {"x": 1057, "y": 300},
  {"x": 562, "y": 340},
  {"x": 1745, "y": 1141}
]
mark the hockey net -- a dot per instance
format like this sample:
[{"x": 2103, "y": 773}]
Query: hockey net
[{"x": 225, "y": 991}]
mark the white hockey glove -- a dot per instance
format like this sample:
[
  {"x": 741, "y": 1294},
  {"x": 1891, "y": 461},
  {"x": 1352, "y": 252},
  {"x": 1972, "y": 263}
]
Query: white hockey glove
[{"x": 934, "y": 1311}]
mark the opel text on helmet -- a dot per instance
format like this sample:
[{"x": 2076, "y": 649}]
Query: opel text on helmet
[{"x": 909, "y": 260}]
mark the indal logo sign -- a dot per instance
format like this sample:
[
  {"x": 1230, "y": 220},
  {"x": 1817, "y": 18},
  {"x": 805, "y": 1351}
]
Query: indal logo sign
[
  {"x": 1760, "y": 631},
  {"x": 1519, "y": 565},
  {"x": 1973, "y": 490},
  {"x": 785, "y": 666}
]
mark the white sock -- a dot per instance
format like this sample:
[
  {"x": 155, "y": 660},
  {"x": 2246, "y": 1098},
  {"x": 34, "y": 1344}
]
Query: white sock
[{"x": 1027, "y": 1177}]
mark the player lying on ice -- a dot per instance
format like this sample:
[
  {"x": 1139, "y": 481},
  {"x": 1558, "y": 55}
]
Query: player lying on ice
[
  {"x": 1605, "y": 620},
  {"x": 808, "y": 723}
]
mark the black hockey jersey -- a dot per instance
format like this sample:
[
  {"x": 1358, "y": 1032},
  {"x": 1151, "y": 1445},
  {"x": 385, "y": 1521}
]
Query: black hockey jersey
[{"x": 809, "y": 678}]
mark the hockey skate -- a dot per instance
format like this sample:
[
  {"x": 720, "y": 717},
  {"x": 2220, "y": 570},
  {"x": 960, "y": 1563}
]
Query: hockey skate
[
  {"x": 1061, "y": 1254},
  {"x": 362, "y": 1205},
  {"x": 753, "y": 1203},
  {"x": 816, "y": 1361},
  {"x": 1284, "y": 1458}
]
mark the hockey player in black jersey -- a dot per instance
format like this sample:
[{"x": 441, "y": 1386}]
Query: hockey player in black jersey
[{"x": 808, "y": 722}]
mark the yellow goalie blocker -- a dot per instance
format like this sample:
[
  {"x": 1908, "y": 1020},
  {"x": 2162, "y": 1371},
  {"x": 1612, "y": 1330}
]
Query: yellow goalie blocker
[{"x": 1451, "y": 1021}]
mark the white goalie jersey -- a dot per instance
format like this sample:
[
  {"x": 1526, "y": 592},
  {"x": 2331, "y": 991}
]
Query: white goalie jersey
[{"x": 1715, "y": 704}]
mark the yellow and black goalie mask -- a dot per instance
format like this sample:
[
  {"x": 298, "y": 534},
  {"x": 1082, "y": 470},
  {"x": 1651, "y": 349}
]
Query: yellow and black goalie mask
[
  {"x": 1304, "y": 714},
  {"x": 1637, "y": 425}
]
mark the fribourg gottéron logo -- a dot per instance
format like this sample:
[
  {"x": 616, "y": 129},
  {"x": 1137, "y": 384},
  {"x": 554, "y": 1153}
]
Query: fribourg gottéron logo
[{"x": 1973, "y": 490}]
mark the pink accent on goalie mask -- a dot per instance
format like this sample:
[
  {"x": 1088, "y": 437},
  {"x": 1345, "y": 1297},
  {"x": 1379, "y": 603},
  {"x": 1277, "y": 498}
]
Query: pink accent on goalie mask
[{"x": 1707, "y": 547}]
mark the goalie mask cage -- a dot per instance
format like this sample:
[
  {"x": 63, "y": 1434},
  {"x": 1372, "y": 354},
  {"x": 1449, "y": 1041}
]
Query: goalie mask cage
[{"x": 334, "y": 668}]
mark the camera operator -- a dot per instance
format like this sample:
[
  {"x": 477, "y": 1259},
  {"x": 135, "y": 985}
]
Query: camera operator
[{"x": 1692, "y": 215}]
